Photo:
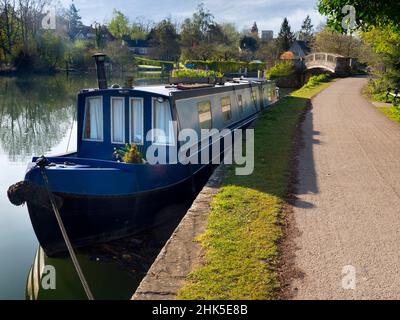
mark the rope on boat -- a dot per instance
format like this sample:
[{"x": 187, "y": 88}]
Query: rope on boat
[{"x": 42, "y": 163}]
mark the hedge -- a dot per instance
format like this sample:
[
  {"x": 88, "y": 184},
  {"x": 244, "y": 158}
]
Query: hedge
[
  {"x": 159, "y": 63},
  {"x": 225, "y": 66}
]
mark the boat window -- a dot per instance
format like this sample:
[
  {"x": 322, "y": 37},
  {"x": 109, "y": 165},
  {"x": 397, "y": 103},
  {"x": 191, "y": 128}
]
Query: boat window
[
  {"x": 117, "y": 120},
  {"x": 162, "y": 120},
  {"x": 240, "y": 103},
  {"x": 226, "y": 108},
  {"x": 93, "y": 126},
  {"x": 136, "y": 120},
  {"x": 205, "y": 116}
]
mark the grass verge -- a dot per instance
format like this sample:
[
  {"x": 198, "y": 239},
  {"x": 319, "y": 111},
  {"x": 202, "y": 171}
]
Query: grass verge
[
  {"x": 392, "y": 113},
  {"x": 246, "y": 221}
]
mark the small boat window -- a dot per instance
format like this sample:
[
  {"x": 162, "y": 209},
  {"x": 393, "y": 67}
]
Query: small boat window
[
  {"x": 117, "y": 120},
  {"x": 240, "y": 103},
  {"x": 136, "y": 120},
  {"x": 162, "y": 120},
  {"x": 226, "y": 108},
  {"x": 93, "y": 124},
  {"x": 205, "y": 116}
]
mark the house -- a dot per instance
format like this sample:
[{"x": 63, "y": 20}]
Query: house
[
  {"x": 267, "y": 35},
  {"x": 299, "y": 49},
  {"x": 138, "y": 46}
]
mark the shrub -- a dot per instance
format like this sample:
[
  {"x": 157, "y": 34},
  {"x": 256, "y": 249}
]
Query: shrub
[
  {"x": 316, "y": 80},
  {"x": 196, "y": 73},
  {"x": 281, "y": 70},
  {"x": 169, "y": 65}
]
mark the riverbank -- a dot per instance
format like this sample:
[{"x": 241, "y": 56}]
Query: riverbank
[{"x": 241, "y": 251}]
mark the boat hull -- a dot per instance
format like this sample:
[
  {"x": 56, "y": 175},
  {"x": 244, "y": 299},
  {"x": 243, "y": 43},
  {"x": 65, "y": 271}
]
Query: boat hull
[{"x": 95, "y": 219}]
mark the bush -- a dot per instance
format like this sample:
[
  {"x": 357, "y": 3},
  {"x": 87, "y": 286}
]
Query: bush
[
  {"x": 281, "y": 70},
  {"x": 196, "y": 73},
  {"x": 316, "y": 80},
  {"x": 377, "y": 88},
  {"x": 169, "y": 65}
]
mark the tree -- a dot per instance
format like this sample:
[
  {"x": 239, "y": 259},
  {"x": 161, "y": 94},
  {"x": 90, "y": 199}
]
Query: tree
[
  {"x": 333, "y": 42},
  {"x": 306, "y": 32},
  {"x": 51, "y": 49},
  {"x": 201, "y": 36},
  {"x": 164, "y": 39},
  {"x": 254, "y": 30},
  {"x": 378, "y": 13},
  {"x": 119, "y": 25},
  {"x": 249, "y": 43},
  {"x": 285, "y": 37},
  {"x": 74, "y": 22},
  {"x": 8, "y": 27}
]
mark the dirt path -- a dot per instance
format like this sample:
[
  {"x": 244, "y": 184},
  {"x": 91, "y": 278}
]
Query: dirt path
[{"x": 348, "y": 208}]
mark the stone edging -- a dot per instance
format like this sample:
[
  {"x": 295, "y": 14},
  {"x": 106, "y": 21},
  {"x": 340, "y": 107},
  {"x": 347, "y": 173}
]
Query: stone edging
[{"x": 181, "y": 252}]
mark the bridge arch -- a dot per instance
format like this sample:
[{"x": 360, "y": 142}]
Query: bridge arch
[{"x": 334, "y": 63}]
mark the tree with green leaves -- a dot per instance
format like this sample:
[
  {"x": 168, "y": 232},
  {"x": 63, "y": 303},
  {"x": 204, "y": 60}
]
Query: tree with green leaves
[
  {"x": 74, "y": 22},
  {"x": 378, "y": 13},
  {"x": 307, "y": 30},
  {"x": 285, "y": 37},
  {"x": 119, "y": 25},
  {"x": 164, "y": 40},
  {"x": 201, "y": 36}
]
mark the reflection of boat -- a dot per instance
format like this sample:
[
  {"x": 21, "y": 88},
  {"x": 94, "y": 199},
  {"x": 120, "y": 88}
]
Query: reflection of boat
[
  {"x": 101, "y": 199},
  {"x": 107, "y": 279}
]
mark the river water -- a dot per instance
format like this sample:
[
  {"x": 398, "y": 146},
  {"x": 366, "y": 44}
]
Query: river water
[{"x": 37, "y": 117}]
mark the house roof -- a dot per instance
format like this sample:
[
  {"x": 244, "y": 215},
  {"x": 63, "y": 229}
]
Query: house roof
[{"x": 302, "y": 44}]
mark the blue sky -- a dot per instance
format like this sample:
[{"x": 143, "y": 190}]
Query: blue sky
[{"x": 268, "y": 13}]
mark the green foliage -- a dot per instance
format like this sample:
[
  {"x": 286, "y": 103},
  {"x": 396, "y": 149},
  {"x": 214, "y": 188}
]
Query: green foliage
[
  {"x": 74, "y": 22},
  {"x": 281, "y": 70},
  {"x": 119, "y": 25},
  {"x": 128, "y": 154},
  {"x": 79, "y": 55},
  {"x": 379, "y": 13},
  {"x": 307, "y": 30},
  {"x": 196, "y": 73},
  {"x": 164, "y": 40},
  {"x": 285, "y": 37},
  {"x": 317, "y": 80},
  {"x": 384, "y": 45},
  {"x": 169, "y": 65},
  {"x": 226, "y": 66}
]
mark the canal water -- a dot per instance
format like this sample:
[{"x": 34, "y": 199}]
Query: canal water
[{"x": 37, "y": 117}]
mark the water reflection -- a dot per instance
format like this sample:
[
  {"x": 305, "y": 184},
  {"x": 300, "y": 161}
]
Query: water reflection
[
  {"x": 36, "y": 116},
  {"x": 107, "y": 279}
]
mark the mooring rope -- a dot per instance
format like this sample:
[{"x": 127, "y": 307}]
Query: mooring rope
[{"x": 42, "y": 162}]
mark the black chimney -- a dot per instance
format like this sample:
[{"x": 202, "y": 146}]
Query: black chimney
[{"x": 101, "y": 70}]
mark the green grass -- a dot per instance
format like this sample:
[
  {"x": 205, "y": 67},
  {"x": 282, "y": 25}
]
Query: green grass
[
  {"x": 391, "y": 112},
  {"x": 245, "y": 224}
]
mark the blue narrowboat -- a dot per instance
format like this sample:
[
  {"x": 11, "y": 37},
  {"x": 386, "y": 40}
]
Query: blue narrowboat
[{"x": 100, "y": 198}]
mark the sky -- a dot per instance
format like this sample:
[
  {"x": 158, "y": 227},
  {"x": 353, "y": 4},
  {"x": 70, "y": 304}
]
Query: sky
[{"x": 267, "y": 13}]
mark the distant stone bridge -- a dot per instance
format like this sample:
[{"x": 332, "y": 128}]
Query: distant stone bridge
[{"x": 331, "y": 62}]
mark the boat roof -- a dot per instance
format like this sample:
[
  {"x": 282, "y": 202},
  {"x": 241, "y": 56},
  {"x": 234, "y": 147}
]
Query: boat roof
[{"x": 169, "y": 90}]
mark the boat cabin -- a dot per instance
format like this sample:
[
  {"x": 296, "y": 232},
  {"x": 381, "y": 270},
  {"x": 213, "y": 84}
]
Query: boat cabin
[{"x": 110, "y": 118}]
